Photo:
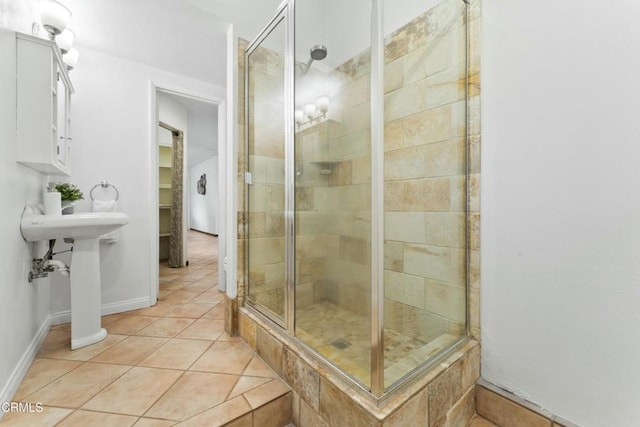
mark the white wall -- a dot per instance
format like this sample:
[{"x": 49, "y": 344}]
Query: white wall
[
  {"x": 560, "y": 206},
  {"x": 171, "y": 112},
  {"x": 24, "y": 307},
  {"x": 204, "y": 208},
  {"x": 112, "y": 122},
  {"x": 203, "y": 134}
]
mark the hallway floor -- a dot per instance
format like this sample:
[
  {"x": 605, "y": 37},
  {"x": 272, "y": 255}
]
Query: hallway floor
[{"x": 160, "y": 366}]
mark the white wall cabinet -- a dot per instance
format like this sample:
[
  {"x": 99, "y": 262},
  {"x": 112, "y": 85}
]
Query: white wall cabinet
[{"x": 43, "y": 106}]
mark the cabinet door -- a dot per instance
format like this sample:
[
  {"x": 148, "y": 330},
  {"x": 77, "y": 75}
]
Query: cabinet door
[{"x": 61, "y": 141}]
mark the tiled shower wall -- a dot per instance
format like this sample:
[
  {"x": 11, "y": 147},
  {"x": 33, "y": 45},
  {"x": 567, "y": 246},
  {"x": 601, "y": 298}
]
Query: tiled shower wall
[{"x": 425, "y": 195}]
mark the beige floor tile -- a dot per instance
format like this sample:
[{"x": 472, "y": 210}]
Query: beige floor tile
[
  {"x": 106, "y": 320},
  {"x": 247, "y": 383},
  {"x": 226, "y": 337},
  {"x": 206, "y": 329},
  {"x": 41, "y": 373},
  {"x": 131, "y": 351},
  {"x": 55, "y": 340},
  {"x": 128, "y": 325},
  {"x": 209, "y": 297},
  {"x": 81, "y": 418},
  {"x": 190, "y": 311},
  {"x": 199, "y": 286},
  {"x": 181, "y": 297},
  {"x": 216, "y": 312},
  {"x": 134, "y": 392},
  {"x": 64, "y": 327},
  {"x": 193, "y": 393},
  {"x": 165, "y": 327},
  {"x": 160, "y": 309},
  {"x": 225, "y": 357},
  {"x": 258, "y": 368},
  {"x": 174, "y": 285},
  {"x": 219, "y": 415},
  {"x": 168, "y": 278},
  {"x": 153, "y": 422},
  {"x": 48, "y": 417},
  {"x": 76, "y": 387},
  {"x": 177, "y": 354},
  {"x": 163, "y": 293},
  {"x": 62, "y": 350},
  {"x": 196, "y": 275},
  {"x": 266, "y": 393}
]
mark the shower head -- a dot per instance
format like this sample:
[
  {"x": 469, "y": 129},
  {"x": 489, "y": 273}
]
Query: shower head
[{"x": 316, "y": 53}]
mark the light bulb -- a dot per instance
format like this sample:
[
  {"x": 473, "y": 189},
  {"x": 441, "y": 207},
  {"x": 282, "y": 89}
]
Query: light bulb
[
  {"x": 323, "y": 104},
  {"x": 299, "y": 115},
  {"x": 310, "y": 111},
  {"x": 65, "y": 40},
  {"x": 71, "y": 58},
  {"x": 54, "y": 16}
]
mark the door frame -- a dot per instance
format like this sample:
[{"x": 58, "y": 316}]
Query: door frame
[{"x": 153, "y": 213}]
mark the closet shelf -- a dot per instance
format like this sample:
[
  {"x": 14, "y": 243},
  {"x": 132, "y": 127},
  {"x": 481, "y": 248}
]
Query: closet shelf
[{"x": 165, "y": 186}]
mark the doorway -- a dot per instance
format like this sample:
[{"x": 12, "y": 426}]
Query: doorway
[{"x": 188, "y": 200}]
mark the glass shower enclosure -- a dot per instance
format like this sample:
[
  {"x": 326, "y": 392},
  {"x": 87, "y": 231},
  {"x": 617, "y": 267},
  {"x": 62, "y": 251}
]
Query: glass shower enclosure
[{"x": 356, "y": 190}]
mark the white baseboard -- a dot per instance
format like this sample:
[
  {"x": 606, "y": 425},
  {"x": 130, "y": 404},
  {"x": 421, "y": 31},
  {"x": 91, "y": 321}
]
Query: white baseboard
[
  {"x": 112, "y": 308},
  {"x": 24, "y": 364}
]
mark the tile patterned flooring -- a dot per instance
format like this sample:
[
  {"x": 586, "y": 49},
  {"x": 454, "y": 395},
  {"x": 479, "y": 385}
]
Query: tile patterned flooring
[{"x": 170, "y": 364}]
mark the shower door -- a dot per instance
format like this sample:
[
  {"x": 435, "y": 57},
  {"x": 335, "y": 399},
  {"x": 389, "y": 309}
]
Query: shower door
[{"x": 266, "y": 266}]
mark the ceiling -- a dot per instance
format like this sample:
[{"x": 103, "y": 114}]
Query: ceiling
[{"x": 171, "y": 35}]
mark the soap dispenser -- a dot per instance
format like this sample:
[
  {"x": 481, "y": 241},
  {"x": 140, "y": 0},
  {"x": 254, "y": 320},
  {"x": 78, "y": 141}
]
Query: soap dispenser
[{"x": 52, "y": 202}]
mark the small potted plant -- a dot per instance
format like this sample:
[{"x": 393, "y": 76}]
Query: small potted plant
[{"x": 69, "y": 193}]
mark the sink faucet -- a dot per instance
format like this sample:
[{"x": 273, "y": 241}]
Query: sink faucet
[{"x": 41, "y": 267}]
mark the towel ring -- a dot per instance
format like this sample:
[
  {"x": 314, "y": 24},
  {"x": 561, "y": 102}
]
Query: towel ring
[{"x": 104, "y": 184}]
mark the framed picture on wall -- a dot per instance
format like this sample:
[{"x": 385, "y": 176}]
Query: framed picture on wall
[{"x": 202, "y": 184}]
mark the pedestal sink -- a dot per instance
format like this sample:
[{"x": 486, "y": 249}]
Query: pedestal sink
[{"x": 84, "y": 229}]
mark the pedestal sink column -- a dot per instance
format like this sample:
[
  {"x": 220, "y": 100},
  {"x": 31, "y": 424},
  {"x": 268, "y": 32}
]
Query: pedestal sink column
[{"x": 86, "y": 294}]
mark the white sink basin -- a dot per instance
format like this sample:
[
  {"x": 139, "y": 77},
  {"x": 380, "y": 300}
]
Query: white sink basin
[{"x": 36, "y": 227}]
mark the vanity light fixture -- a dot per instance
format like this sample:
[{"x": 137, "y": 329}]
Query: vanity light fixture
[
  {"x": 313, "y": 111},
  {"x": 54, "y": 17},
  {"x": 71, "y": 58},
  {"x": 65, "y": 40}
]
